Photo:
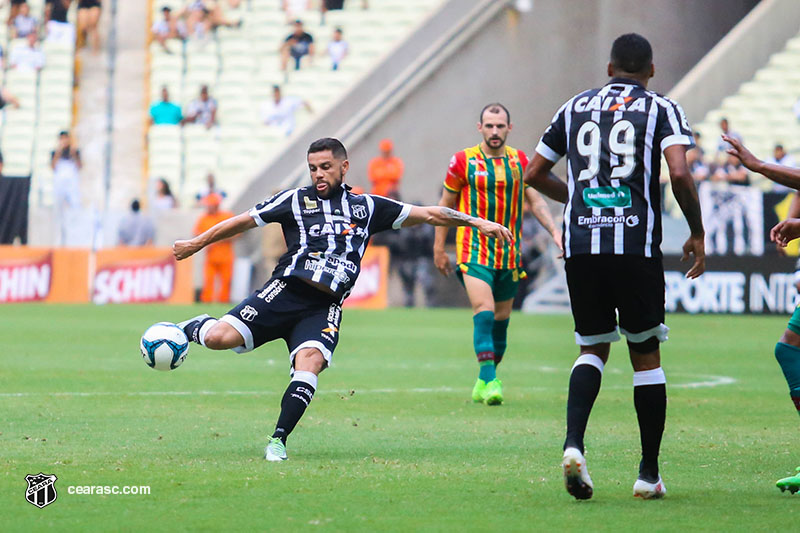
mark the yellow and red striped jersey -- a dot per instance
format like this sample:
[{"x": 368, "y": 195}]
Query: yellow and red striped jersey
[{"x": 490, "y": 188}]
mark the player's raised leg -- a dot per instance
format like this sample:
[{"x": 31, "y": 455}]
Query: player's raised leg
[
  {"x": 214, "y": 334},
  {"x": 308, "y": 363},
  {"x": 480, "y": 296},
  {"x": 650, "y": 401}
]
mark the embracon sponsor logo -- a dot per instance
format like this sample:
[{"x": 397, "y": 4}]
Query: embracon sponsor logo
[{"x": 135, "y": 282}]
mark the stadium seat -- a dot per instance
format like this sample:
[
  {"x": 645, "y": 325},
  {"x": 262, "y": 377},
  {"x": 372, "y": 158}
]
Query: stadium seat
[{"x": 240, "y": 66}]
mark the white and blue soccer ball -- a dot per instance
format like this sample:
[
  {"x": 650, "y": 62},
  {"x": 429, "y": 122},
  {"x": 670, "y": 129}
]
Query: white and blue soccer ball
[{"x": 164, "y": 346}]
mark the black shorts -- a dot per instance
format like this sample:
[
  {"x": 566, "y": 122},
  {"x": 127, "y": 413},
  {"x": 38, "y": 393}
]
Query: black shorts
[
  {"x": 602, "y": 285},
  {"x": 288, "y": 309}
]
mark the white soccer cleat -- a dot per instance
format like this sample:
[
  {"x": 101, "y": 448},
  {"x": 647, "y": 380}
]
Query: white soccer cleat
[
  {"x": 649, "y": 491},
  {"x": 275, "y": 450},
  {"x": 576, "y": 474}
]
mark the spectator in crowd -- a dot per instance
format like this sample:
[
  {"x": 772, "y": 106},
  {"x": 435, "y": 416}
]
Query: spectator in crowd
[
  {"x": 722, "y": 146},
  {"x": 780, "y": 157},
  {"x": 207, "y": 14},
  {"x": 14, "y": 10},
  {"x": 24, "y": 24},
  {"x": 169, "y": 27},
  {"x": 136, "y": 228},
  {"x": 298, "y": 44},
  {"x": 7, "y": 98},
  {"x": 295, "y": 9},
  {"x": 29, "y": 57},
  {"x": 329, "y": 5},
  {"x": 535, "y": 243},
  {"x": 59, "y": 29},
  {"x": 66, "y": 163},
  {"x": 337, "y": 48},
  {"x": 163, "y": 199},
  {"x": 210, "y": 188},
  {"x": 202, "y": 110},
  {"x": 219, "y": 256},
  {"x": 88, "y": 17},
  {"x": 697, "y": 166},
  {"x": 385, "y": 171},
  {"x": 280, "y": 111},
  {"x": 698, "y": 143},
  {"x": 411, "y": 260},
  {"x": 165, "y": 112},
  {"x": 732, "y": 171}
]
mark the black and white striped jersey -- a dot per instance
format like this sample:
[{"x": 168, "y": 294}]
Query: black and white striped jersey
[
  {"x": 326, "y": 238},
  {"x": 613, "y": 138}
]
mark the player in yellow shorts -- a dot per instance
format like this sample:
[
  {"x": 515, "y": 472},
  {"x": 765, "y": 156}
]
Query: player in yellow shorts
[{"x": 486, "y": 180}]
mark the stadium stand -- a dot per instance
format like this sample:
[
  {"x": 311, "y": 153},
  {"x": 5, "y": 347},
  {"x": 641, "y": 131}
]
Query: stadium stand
[
  {"x": 240, "y": 65},
  {"x": 762, "y": 109},
  {"x": 29, "y": 133}
]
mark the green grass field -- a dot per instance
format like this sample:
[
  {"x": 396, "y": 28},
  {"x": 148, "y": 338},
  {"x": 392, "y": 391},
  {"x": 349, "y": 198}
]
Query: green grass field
[{"x": 392, "y": 441}]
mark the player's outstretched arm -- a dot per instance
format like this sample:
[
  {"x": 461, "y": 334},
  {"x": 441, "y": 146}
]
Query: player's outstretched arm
[
  {"x": 223, "y": 230},
  {"x": 444, "y": 216},
  {"x": 686, "y": 194},
  {"x": 787, "y": 176},
  {"x": 440, "y": 259},
  {"x": 538, "y": 176}
]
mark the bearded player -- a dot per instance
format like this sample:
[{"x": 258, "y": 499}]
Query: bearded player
[
  {"x": 486, "y": 181},
  {"x": 327, "y": 229}
]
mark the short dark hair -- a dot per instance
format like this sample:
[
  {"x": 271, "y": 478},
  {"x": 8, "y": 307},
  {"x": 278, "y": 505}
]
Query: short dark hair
[
  {"x": 329, "y": 143},
  {"x": 494, "y": 107},
  {"x": 778, "y": 146},
  {"x": 63, "y": 133},
  {"x": 631, "y": 53},
  {"x": 135, "y": 206},
  {"x": 166, "y": 8}
]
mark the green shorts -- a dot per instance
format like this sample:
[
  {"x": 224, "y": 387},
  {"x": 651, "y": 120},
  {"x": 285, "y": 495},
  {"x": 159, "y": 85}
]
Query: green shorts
[
  {"x": 794, "y": 322},
  {"x": 503, "y": 282}
]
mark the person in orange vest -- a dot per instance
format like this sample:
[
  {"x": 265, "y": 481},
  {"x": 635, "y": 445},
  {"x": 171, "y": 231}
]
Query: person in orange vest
[
  {"x": 219, "y": 256},
  {"x": 385, "y": 171}
]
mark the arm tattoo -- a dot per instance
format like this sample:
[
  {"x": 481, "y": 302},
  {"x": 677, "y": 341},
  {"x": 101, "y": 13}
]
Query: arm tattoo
[{"x": 452, "y": 214}]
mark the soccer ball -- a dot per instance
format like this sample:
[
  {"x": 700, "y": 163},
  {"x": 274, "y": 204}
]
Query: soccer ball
[{"x": 164, "y": 346}]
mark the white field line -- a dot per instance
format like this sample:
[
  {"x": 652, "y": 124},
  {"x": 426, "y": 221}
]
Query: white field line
[{"x": 705, "y": 381}]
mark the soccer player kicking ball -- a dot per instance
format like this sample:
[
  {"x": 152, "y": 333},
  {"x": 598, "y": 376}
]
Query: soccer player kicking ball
[
  {"x": 613, "y": 138},
  {"x": 787, "y": 350},
  {"x": 327, "y": 229},
  {"x": 486, "y": 181}
]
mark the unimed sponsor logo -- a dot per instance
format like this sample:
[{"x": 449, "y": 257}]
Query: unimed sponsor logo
[
  {"x": 134, "y": 282},
  {"x": 24, "y": 280}
]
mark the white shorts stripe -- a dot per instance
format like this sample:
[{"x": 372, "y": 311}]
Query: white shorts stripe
[{"x": 588, "y": 340}]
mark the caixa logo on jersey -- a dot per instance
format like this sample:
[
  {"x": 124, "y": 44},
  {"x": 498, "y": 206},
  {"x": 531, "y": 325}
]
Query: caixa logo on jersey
[
  {"x": 135, "y": 282},
  {"x": 41, "y": 490},
  {"x": 26, "y": 280}
]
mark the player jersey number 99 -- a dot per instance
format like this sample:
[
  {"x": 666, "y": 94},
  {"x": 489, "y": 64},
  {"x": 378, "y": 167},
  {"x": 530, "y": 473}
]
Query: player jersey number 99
[{"x": 621, "y": 142}]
